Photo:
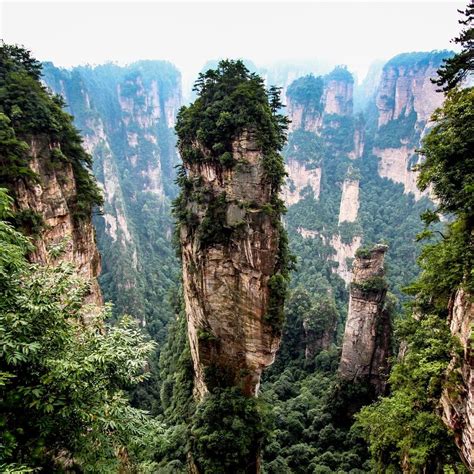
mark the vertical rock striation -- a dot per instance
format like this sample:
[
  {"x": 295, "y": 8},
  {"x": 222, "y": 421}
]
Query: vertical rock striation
[
  {"x": 226, "y": 284},
  {"x": 367, "y": 338},
  {"x": 349, "y": 200},
  {"x": 405, "y": 100},
  {"x": 52, "y": 197},
  {"x": 458, "y": 403},
  {"x": 126, "y": 115},
  {"x": 233, "y": 246}
]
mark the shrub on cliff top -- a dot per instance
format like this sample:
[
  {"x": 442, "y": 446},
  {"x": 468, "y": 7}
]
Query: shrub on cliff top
[
  {"x": 230, "y": 101},
  {"x": 28, "y": 109}
]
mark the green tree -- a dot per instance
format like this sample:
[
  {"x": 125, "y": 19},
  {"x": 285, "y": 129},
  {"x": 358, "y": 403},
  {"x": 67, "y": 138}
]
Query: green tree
[
  {"x": 404, "y": 429},
  {"x": 458, "y": 68},
  {"x": 63, "y": 370}
]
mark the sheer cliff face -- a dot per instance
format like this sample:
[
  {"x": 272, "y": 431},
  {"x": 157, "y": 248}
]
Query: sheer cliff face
[
  {"x": 405, "y": 100},
  {"x": 226, "y": 285},
  {"x": 127, "y": 115},
  {"x": 64, "y": 237},
  {"x": 367, "y": 337},
  {"x": 324, "y": 131},
  {"x": 458, "y": 404}
]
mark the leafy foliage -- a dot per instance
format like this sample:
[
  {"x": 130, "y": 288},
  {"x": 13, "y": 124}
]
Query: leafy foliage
[
  {"x": 457, "y": 68},
  {"x": 227, "y": 432},
  {"x": 404, "y": 429},
  {"x": 27, "y": 109},
  {"x": 63, "y": 370},
  {"x": 307, "y": 91},
  {"x": 448, "y": 165}
]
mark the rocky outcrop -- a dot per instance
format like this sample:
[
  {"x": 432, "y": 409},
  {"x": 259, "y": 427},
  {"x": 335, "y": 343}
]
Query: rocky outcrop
[
  {"x": 366, "y": 345},
  {"x": 394, "y": 164},
  {"x": 405, "y": 100},
  {"x": 226, "y": 284},
  {"x": 344, "y": 254},
  {"x": 299, "y": 178},
  {"x": 63, "y": 237},
  {"x": 458, "y": 402},
  {"x": 304, "y": 117},
  {"x": 405, "y": 87},
  {"x": 349, "y": 200},
  {"x": 338, "y": 92},
  {"x": 126, "y": 115}
]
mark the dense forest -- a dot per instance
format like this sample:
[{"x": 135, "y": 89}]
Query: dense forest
[{"x": 250, "y": 197}]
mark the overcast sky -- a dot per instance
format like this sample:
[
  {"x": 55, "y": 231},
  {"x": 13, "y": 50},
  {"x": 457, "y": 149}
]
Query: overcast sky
[{"x": 190, "y": 33}]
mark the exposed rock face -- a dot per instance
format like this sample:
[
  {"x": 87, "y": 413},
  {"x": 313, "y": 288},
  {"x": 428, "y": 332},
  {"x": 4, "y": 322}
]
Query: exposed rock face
[
  {"x": 405, "y": 100},
  {"x": 226, "y": 284},
  {"x": 394, "y": 165},
  {"x": 299, "y": 178},
  {"x": 349, "y": 201},
  {"x": 338, "y": 97},
  {"x": 344, "y": 253},
  {"x": 52, "y": 197},
  {"x": 405, "y": 88},
  {"x": 367, "y": 338},
  {"x": 304, "y": 117},
  {"x": 126, "y": 115},
  {"x": 458, "y": 405}
]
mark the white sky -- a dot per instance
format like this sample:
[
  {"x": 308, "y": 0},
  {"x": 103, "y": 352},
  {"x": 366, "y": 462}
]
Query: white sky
[{"x": 189, "y": 33}]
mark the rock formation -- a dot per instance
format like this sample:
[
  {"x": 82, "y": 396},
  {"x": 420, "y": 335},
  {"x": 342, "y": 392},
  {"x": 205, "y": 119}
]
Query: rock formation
[
  {"x": 63, "y": 237},
  {"x": 367, "y": 338},
  {"x": 349, "y": 200},
  {"x": 338, "y": 92},
  {"x": 126, "y": 116},
  {"x": 458, "y": 403},
  {"x": 343, "y": 254},
  {"x": 226, "y": 285},
  {"x": 405, "y": 100},
  {"x": 299, "y": 178}
]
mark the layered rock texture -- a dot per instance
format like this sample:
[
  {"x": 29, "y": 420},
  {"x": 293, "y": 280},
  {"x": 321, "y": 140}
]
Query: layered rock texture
[
  {"x": 226, "y": 283},
  {"x": 52, "y": 197},
  {"x": 349, "y": 201},
  {"x": 458, "y": 403},
  {"x": 405, "y": 100},
  {"x": 366, "y": 345},
  {"x": 126, "y": 116},
  {"x": 324, "y": 131},
  {"x": 299, "y": 180}
]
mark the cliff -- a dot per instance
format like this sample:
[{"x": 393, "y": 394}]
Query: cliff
[
  {"x": 325, "y": 141},
  {"x": 232, "y": 242},
  {"x": 366, "y": 345},
  {"x": 310, "y": 98},
  {"x": 127, "y": 115},
  {"x": 458, "y": 402},
  {"x": 46, "y": 170},
  {"x": 51, "y": 198},
  {"x": 405, "y": 100},
  {"x": 226, "y": 285}
]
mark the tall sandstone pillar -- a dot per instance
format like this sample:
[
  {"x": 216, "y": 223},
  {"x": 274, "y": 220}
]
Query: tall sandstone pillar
[
  {"x": 367, "y": 338},
  {"x": 232, "y": 242},
  {"x": 227, "y": 269}
]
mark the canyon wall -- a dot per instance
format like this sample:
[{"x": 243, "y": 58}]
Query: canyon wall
[
  {"x": 366, "y": 346},
  {"x": 52, "y": 197},
  {"x": 405, "y": 100},
  {"x": 458, "y": 403},
  {"x": 126, "y": 116},
  {"x": 323, "y": 132}
]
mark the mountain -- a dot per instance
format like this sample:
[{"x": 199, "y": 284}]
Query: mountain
[{"x": 127, "y": 115}]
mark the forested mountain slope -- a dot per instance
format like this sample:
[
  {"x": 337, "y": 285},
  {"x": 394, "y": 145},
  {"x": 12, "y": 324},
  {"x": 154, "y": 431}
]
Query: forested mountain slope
[{"x": 126, "y": 116}]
